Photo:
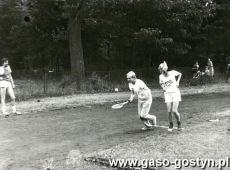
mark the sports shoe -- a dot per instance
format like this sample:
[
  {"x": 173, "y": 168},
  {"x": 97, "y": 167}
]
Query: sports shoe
[
  {"x": 179, "y": 126},
  {"x": 6, "y": 114},
  {"x": 17, "y": 113},
  {"x": 147, "y": 128},
  {"x": 170, "y": 129}
]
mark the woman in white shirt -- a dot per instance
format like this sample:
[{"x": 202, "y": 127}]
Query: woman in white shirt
[
  {"x": 138, "y": 88},
  {"x": 170, "y": 84}
]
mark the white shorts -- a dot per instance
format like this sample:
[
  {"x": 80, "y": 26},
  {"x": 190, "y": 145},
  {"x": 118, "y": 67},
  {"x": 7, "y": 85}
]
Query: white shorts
[
  {"x": 172, "y": 97},
  {"x": 5, "y": 84}
]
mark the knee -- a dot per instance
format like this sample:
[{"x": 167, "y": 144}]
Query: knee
[
  {"x": 175, "y": 112},
  {"x": 175, "y": 109},
  {"x": 170, "y": 112}
]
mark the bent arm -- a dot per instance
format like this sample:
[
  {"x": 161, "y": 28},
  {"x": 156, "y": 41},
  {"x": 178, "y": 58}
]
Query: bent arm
[
  {"x": 2, "y": 71},
  {"x": 12, "y": 82},
  {"x": 162, "y": 86},
  {"x": 179, "y": 78},
  {"x": 161, "y": 83},
  {"x": 131, "y": 96}
]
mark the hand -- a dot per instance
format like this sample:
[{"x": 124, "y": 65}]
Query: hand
[
  {"x": 177, "y": 84},
  {"x": 13, "y": 86},
  {"x": 130, "y": 100}
]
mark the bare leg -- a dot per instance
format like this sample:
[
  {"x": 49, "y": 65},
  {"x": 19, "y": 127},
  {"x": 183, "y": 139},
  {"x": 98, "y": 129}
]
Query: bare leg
[
  {"x": 3, "y": 97},
  {"x": 170, "y": 115},
  {"x": 176, "y": 113},
  {"x": 175, "y": 110},
  {"x": 169, "y": 109},
  {"x": 12, "y": 96}
]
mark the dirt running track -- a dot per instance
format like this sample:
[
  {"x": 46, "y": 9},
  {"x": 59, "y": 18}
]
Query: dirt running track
[{"x": 29, "y": 139}]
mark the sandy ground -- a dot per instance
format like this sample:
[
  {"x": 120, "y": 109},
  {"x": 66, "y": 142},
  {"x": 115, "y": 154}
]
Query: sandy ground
[
  {"x": 200, "y": 138},
  {"x": 76, "y": 123}
]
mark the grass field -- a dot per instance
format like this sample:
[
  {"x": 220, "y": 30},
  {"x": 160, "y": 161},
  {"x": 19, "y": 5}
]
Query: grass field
[{"x": 27, "y": 141}]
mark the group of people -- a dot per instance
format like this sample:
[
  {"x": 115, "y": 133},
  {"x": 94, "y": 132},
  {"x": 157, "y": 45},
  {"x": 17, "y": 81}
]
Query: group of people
[
  {"x": 209, "y": 70},
  {"x": 169, "y": 81},
  {"x": 7, "y": 86}
]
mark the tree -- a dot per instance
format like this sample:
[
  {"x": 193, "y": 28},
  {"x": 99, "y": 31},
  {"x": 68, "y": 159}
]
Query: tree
[
  {"x": 9, "y": 27},
  {"x": 74, "y": 10},
  {"x": 217, "y": 33},
  {"x": 154, "y": 30},
  {"x": 113, "y": 33}
]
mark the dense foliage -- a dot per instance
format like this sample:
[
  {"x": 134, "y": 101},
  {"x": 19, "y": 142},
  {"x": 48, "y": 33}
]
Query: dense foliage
[{"x": 115, "y": 34}]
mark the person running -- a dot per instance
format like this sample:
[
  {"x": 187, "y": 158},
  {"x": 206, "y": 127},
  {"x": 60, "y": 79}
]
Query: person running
[
  {"x": 7, "y": 86},
  {"x": 170, "y": 84},
  {"x": 138, "y": 88}
]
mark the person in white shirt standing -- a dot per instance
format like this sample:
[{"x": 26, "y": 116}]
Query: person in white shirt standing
[
  {"x": 7, "y": 85},
  {"x": 170, "y": 84},
  {"x": 211, "y": 68},
  {"x": 138, "y": 88}
]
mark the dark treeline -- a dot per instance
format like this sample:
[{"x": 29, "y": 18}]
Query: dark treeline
[{"x": 81, "y": 35}]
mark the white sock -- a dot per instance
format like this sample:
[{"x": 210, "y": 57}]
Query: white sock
[
  {"x": 14, "y": 109},
  {"x": 3, "y": 109}
]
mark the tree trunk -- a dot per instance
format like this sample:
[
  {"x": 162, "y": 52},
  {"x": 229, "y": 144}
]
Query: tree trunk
[{"x": 76, "y": 51}]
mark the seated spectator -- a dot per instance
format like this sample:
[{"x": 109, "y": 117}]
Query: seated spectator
[
  {"x": 206, "y": 72},
  {"x": 195, "y": 68}
]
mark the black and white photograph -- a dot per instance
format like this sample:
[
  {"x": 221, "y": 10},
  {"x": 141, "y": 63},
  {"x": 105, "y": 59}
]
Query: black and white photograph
[{"x": 115, "y": 84}]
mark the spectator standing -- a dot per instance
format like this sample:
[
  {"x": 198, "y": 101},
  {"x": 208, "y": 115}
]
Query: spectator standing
[{"x": 210, "y": 68}]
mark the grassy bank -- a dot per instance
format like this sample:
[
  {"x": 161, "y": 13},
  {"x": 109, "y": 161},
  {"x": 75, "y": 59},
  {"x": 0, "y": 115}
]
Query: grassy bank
[{"x": 59, "y": 85}]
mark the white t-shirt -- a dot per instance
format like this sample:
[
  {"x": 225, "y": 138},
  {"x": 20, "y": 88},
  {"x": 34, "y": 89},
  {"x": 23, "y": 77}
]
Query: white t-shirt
[
  {"x": 169, "y": 83},
  {"x": 5, "y": 73},
  {"x": 2, "y": 71},
  {"x": 141, "y": 90}
]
